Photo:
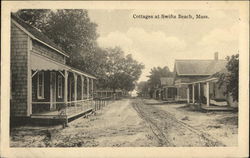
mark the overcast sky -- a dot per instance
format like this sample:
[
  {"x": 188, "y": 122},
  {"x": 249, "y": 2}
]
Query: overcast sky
[{"x": 158, "y": 42}]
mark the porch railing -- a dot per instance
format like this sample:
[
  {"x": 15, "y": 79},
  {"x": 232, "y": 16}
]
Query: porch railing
[{"x": 71, "y": 107}]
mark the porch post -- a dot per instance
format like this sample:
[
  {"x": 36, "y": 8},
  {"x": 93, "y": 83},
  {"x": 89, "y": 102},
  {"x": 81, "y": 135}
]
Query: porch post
[
  {"x": 75, "y": 88},
  {"x": 207, "y": 93},
  {"x": 29, "y": 78},
  {"x": 82, "y": 87},
  {"x": 188, "y": 97},
  {"x": 88, "y": 88},
  {"x": 177, "y": 92},
  {"x": 166, "y": 94},
  {"x": 193, "y": 92},
  {"x": 199, "y": 92},
  {"x": 66, "y": 87},
  {"x": 66, "y": 93},
  {"x": 92, "y": 87}
]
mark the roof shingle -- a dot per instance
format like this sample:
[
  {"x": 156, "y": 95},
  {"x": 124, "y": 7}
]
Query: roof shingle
[
  {"x": 199, "y": 67},
  {"x": 37, "y": 34}
]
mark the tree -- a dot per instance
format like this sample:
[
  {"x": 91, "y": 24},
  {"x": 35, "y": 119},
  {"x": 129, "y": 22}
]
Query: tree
[
  {"x": 156, "y": 73},
  {"x": 121, "y": 71},
  {"x": 231, "y": 77},
  {"x": 142, "y": 88},
  {"x": 34, "y": 17},
  {"x": 71, "y": 29},
  {"x": 74, "y": 32},
  {"x": 154, "y": 78}
]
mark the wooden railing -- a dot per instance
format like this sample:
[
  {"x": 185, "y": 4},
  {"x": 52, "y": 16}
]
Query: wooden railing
[
  {"x": 71, "y": 107},
  {"x": 101, "y": 102}
]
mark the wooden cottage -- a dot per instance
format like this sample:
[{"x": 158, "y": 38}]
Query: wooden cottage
[
  {"x": 209, "y": 92},
  {"x": 42, "y": 85},
  {"x": 196, "y": 82},
  {"x": 169, "y": 90}
]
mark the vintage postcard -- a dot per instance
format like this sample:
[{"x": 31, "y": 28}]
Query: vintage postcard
[{"x": 125, "y": 79}]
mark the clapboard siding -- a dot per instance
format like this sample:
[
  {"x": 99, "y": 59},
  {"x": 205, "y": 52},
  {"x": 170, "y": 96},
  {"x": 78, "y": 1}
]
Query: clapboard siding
[{"x": 19, "y": 51}]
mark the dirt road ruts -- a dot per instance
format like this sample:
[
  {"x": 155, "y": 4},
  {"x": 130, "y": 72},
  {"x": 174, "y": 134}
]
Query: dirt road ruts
[{"x": 171, "y": 132}]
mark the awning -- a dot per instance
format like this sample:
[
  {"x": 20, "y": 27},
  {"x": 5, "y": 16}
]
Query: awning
[{"x": 39, "y": 62}]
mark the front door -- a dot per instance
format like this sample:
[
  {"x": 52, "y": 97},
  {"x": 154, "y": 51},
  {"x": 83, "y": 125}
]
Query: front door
[{"x": 52, "y": 90}]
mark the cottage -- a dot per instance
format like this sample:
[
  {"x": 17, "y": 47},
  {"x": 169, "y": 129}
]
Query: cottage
[
  {"x": 41, "y": 82},
  {"x": 196, "y": 81},
  {"x": 169, "y": 90}
]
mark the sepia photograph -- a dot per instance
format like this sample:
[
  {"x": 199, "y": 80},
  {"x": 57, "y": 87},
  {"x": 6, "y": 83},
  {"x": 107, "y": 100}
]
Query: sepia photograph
[{"x": 87, "y": 78}]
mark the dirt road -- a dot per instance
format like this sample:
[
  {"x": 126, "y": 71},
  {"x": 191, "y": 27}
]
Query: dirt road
[
  {"x": 117, "y": 124},
  {"x": 172, "y": 132},
  {"x": 124, "y": 123}
]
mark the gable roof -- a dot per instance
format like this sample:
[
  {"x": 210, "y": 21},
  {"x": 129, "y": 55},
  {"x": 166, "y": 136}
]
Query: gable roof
[
  {"x": 199, "y": 67},
  {"x": 37, "y": 35},
  {"x": 167, "y": 81}
]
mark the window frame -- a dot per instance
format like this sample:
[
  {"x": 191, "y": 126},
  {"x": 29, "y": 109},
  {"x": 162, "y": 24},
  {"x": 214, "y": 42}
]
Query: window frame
[
  {"x": 59, "y": 85},
  {"x": 40, "y": 96}
]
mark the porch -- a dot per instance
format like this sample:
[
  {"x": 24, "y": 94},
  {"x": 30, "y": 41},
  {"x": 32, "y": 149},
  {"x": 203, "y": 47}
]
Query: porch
[
  {"x": 67, "y": 111},
  {"x": 169, "y": 93},
  {"x": 208, "y": 95},
  {"x": 57, "y": 91}
]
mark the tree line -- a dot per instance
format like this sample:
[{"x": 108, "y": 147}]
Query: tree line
[
  {"x": 154, "y": 81},
  {"x": 76, "y": 34}
]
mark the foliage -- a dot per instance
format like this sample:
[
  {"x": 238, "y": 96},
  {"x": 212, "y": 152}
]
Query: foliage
[
  {"x": 121, "y": 71},
  {"x": 69, "y": 28},
  {"x": 154, "y": 78},
  {"x": 156, "y": 73},
  {"x": 142, "y": 87},
  {"x": 74, "y": 32},
  {"x": 35, "y": 17},
  {"x": 231, "y": 77}
]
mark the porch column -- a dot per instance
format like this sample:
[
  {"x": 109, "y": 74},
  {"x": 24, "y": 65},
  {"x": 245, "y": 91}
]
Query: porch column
[
  {"x": 199, "y": 92},
  {"x": 166, "y": 93},
  {"x": 188, "y": 96},
  {"x": 82, "y": 87},
  {"x": 88, "y": 88},
  {"x": 92, "y": 87},
  {"x": 177, "y": 92},
  {"x": 66, "y": 87},
  {"x": 193, "y": 92},
  {"x": 75, "y": 88},
  {"x": 207, "y": 93}
]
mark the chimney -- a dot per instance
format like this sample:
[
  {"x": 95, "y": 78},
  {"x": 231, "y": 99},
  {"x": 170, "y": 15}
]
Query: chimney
[{"x": 216, "y": 56}]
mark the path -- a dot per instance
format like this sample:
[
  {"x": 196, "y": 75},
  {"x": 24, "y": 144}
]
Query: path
[{"x": 123, "y": 123}]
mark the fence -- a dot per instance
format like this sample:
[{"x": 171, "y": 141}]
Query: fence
[{"x": 101, "y": 102}]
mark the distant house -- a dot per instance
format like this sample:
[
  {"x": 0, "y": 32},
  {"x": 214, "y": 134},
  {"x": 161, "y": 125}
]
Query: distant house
[
  {"x": 108, "y": 93},
  {"x": 41, "y": 82},
  {"x": 157, "y": 91},
  {"x": 168, "y": 89},
  {"x": 196, "y": 82}
]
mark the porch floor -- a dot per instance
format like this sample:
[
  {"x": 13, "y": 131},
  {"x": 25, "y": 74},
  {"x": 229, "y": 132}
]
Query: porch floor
[
  {"x": 217, "y": 108},
  {"x": 71, "y": 112}
]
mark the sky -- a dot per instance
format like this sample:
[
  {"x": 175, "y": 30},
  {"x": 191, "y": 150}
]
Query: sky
[{"x": 159, "y": 42}]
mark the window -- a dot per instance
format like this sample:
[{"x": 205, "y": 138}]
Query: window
[
  {"x": 59, "y": 86},
  {"x": 40, "y": 85}
]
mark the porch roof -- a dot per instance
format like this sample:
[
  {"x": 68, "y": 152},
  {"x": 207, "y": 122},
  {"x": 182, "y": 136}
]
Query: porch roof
[{"x": 38, "y": 62}]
